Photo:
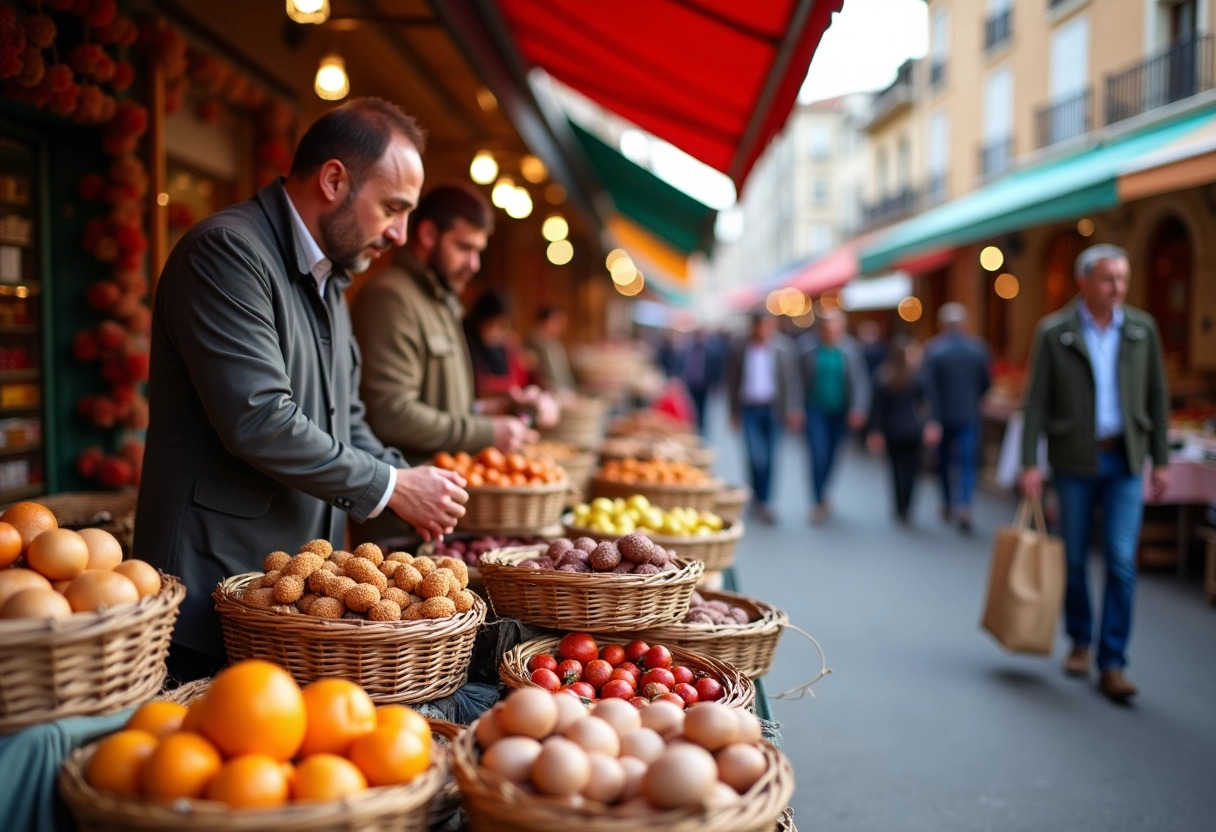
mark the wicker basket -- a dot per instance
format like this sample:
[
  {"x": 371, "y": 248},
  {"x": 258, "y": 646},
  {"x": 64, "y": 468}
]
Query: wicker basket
[
  {"x": 696, "y": 497},
  {"x": 87, "y": 664},
  {"x": 716, "y": 551},
  {"x": 394, "y": 661},
  {"x": 494, "y": 804},
  {"x": 731, "y": 502},
  {"x": 785, "y": 823},
  {"x": 519, "y": 509},
  {"x": 383, "y": 809},
  {"x": 594, "y": 602},
  {"x": 581, "y": 423},
  {"x": 113, "y": 511},
  {"x": 739, "y": 692},
  {"x": 579, "y": 468},
  {"x": 749, "y": 647}
]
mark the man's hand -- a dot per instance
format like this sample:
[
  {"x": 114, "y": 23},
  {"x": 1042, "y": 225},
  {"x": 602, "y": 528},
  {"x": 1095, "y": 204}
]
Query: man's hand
[
  {"x": 1159, "y": 481},
  {"x": 932, "y": 434},
  {"x": 1031, "y": 483},
  {"x": 511, "y": 434},
  {"x": 874, "y": 442},
  {"x": 857, "y": 419},
  {"x": 430, "y": 499}
]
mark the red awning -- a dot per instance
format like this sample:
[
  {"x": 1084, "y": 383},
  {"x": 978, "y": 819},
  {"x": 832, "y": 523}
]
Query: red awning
[
  {"x": 828, "y": 272},
  {"x": 716, "y": 78}
]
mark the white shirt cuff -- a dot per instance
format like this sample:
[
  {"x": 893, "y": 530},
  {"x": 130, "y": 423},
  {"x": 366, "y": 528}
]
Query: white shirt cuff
[{"x": 388, "y": 492}]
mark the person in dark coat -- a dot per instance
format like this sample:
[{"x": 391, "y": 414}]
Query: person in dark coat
[
  {"x": 957, "y": 365},
  {"x": 899, "y": 418},
  {"x": 702, "y": 371},
  {"x": 257, "y": 439}
]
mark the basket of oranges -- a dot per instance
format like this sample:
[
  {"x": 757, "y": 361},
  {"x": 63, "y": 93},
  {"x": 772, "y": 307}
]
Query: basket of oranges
[
  {"x": 665, "y": 483},
  {"x": 82, "y": 631},
  {"x": 252, "y": 751},
  {"x": 509, "y": 493}
]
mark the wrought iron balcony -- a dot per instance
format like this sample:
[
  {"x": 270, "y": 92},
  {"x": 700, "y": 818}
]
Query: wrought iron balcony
[
  {"x": 998, "y": 29},
  {"x": 996, "y": 157},
  {"x": 1065, "y": 119},
  {"x": 889, "y": 208},
  {"x": 894, "y": 99},
  {"x": 935, "y": 190},
  {"x": 937, "y": 73},
  {"x": 1182, "y": 70}
]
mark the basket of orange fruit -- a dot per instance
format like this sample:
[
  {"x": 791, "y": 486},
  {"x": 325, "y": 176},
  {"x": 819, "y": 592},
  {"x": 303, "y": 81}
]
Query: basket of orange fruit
[
  {"x": 82, "y": 631},
  {"x": 665, "y": 483},
  {"x": 254, "y": 751},
  {"x": 509, "y": 493}
]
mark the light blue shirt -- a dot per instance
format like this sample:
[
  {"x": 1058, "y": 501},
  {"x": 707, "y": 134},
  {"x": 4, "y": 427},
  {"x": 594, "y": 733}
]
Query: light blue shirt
[{"x": 1103, "y": 346}]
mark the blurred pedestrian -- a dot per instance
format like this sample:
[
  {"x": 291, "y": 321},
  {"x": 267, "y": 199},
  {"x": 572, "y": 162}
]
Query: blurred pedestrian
[
  {"x": 702, "y": 372},
  {"x": 957, "y": 365},
  {"x": 1097, "y": 386},
  {"x": 899, "y": 418},
  {"x": 497, "y": 368},
  {"x": 836, "y": 386},
  {"x": 869, "y": 338},
  {"x": 552, "y": 370},
  {"x": 761, "y": 381}
]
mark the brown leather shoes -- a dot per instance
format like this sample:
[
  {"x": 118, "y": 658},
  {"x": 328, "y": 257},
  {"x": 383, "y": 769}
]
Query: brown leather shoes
[
  {"x": 1077, "y": 663},
  {"x": 1115, "y": 685}
]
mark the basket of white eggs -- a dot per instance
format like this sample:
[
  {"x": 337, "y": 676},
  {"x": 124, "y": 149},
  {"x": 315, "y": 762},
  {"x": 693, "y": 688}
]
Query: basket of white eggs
[{"x": 541, "y": 761}]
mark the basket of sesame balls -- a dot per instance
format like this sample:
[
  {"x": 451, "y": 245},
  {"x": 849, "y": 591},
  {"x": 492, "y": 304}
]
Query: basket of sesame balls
[{"x": 400, "y": 626}]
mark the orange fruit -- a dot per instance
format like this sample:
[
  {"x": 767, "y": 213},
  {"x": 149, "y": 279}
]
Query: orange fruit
[
  {"x": 142, "y": 574},
  {"x": 389, "y": 755},
  {"x": 105, "y": 552},
  {"x": 116, "y": 764},
  {"x": 327, "y": 777},
  {"x": 158, "y": 718},
  {"x": 193, "y": 720},
  {"x": 250, "y": 781},
  {"x": 10, "y": 544},
  {"x": 339, "y": 712},
  {"x": 181, "y": 766},
  {"x": 30, "y": 520},
  {"x": 255, "y": 707},
  {"x": 400, "y": 716}
]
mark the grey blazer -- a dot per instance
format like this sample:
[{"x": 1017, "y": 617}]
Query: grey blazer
[{"x": 257, "y": 439}]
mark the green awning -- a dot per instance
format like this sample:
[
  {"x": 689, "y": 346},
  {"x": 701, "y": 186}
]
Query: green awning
[
  {"x": 1060, "y": 189},
  {"x": 665, "y": 211}
]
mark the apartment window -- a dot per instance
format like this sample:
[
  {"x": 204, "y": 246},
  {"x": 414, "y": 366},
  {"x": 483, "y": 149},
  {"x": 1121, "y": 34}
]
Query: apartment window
[
  {"x": 820, "y": 142},
  {"x": 939, "y": 154},
  {"x": 881, "y": 167},
  {"x": 904, "y": 165},
  {"x": 997, "y": 151},
  {"x": 939, "y": 47},
  {"x": 821, "y": 239},
  {"x": 1067, "y": 115},
  {"x": 998, "y": 25},
  {"x": 819, "y": 192}
]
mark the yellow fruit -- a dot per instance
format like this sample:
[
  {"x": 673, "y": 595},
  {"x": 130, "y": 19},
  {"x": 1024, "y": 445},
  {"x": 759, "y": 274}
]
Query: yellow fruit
[{"x": 638, "y": 501}]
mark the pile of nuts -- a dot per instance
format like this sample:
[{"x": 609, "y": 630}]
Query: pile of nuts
[
  {"x": 701, "y": 611},
  {"x": 633, "y": 554},
  {"x": 364, "y": 584}
]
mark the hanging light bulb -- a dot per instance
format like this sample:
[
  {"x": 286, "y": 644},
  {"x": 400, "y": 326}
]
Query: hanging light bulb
[
  {"x": 504, "y": 191},
  {"x": 533, "y": 169},
  {"x": 634, "y": 287},
  {"x": 560, "y": 252},
  {"x": 308, "y": 11},
  {"x": 332, "y": 83},
  {"x": 483, "y": 168},
  {"x": 555, "y": 228},
  {"x": 520, "y": 204},
  {"x": 623, "y": 271}
]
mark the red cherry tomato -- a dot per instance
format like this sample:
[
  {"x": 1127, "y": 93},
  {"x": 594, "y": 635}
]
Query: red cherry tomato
[
  {"x": 634, "y": 651},
  {"x": 687, "y": 692},
  {"x": 673, "y": 698},
  {"x": 614, "y": 654},
  {"x": 583, "y": 689},
  {"x": 546, "y": 678},
  {"x": 597, "y": 673},
  {"x": 657, "y": 656},
  {"x": 639, "y": 702},
  {"x": 578, "y": 646},
  {"x": 683, "y": 675},
  {"x": 653, "y": 690},
  {"x": 617, "y": 689},
  {"x": 709, "y": 689},
  {"x": 661, "y": 675},
  {"x": 542, "y": 660},
  {"x": 570, "y": 671},
  {"x": 633, "y": 670}
]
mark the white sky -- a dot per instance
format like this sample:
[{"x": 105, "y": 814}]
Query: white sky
[{"x": 865, "y": 45}]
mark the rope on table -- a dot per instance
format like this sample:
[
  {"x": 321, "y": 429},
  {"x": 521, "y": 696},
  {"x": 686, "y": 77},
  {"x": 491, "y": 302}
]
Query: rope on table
[{"x": 804, "y": 689}]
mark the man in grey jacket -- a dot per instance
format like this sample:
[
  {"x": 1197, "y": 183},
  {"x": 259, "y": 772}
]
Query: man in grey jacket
[{"x": 257, "y": 440}]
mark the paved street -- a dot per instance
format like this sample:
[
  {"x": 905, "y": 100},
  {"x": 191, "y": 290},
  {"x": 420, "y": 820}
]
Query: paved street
[{"x": 926, "y": 724}]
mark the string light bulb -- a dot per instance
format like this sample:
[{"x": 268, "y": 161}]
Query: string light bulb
[
  {"x": 332, "y": 83},
  {"x": 308, "y": 11},
  {"x": 555, "y": 228},
  {"x": 519, "y": 204},
  {"x": 483, "y": 168},
  {"x": 560, "y": 252},
  {"x": 504, "y": 191}
]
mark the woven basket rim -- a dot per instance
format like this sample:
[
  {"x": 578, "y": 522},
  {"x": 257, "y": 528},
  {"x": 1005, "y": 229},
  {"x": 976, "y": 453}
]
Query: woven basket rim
[
  {"x": 732, "y": 530},
  {"x": 228, "y": 602},
  {"x": 82, "y": 797},
  {"x": 771, "y": 618},
  {"x": 22, "y": 632},
  {"x": 688, "y": 570},
  {"x": 713, "y": 486},
  {"x": 769, "y": 796},
  {"x": 543, "y": 488}
]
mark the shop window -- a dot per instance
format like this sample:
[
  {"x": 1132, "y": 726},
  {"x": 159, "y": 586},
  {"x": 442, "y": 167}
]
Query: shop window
[
  {"x": 193, "y": 195},
  {"x": 1169, "y": 286},
  {"x": 1059, "y": 285}
]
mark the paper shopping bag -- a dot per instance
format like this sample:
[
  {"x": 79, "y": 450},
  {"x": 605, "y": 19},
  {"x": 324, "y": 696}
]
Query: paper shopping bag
[{"x": 1026, "y": 585}]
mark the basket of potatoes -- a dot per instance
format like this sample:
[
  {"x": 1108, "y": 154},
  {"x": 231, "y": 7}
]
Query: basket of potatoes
[{"x": 400, "y": 626}]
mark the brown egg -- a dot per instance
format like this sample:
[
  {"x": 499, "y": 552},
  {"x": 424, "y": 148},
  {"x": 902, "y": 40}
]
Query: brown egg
[
  {"x": 489, "y": 729},
  {"x": 98, "y": 588},
  {"x": 740, "y": 765},
  {"x": 142, "y": 574},
  {"x": 711, "y": 725},
  {"x": 570, "y": 709},
  {"x": 58, "y": 554},
  {"x": 618, "y": 713},
  {"x": 512, "y": 757},
  {"x": 13, "y": 581},
  {"x": 607, "y": 781},
  {"x": 644, "y": 744},
  {"x": 36, "y": 603},
  {"x": 561, "y": 769},
  {"x": 664, "y": 718},
  {"x": 594, "y": 734},
  {"x": 105, "y": 552},
  {"x": 529, "y": 712},
  {"x": 683, "y": 776}
]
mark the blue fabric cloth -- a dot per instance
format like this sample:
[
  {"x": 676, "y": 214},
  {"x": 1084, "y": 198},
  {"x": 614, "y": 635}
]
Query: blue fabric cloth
[
  {"x": 1120, "y": 496},
  {"x": 830, "y": 386},
  {"x": 957, "y": 369},
  {"x": 760, "y": 440},
  {"x": 824, "y": 432},
  {"x": 30, "y": 761},
  {"x": 958, "y": 451},
  {"x": 1103, "y": 346}
]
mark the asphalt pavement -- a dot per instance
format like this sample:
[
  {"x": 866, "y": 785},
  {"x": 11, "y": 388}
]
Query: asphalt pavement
[{"x": 926, "y": 723}]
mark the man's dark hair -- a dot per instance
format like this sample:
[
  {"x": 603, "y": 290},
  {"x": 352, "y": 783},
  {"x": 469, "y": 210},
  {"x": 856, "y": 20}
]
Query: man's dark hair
[
  {"x": 357, "y": 134},
  {"x": 489, "y": 305},
  {"x": 444, "y": 204},
  {"x": 547, "y": 313}
]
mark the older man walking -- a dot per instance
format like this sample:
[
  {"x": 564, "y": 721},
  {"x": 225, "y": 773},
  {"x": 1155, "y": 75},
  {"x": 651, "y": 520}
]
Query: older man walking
[{"x": 1097, "y": 387}]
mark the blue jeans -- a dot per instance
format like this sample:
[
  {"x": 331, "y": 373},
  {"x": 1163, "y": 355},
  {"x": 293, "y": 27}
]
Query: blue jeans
[
  {"x": 1120, "y": 495},
  {"x": 960, "y": 446},
  {"x": 824, "y": 431},
  {"x": 760, "y": 439},
  {"x": 700, "y": 400}
]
